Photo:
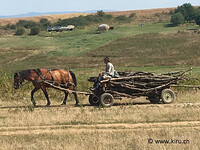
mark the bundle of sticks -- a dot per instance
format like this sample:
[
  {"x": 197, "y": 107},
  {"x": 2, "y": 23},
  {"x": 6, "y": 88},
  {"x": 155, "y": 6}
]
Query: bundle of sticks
[{"x": 142, "y": 83}]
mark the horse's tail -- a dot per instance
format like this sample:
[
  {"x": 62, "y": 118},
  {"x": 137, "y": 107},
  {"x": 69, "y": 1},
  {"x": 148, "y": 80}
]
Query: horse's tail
[{"x": 74, "y": 78}]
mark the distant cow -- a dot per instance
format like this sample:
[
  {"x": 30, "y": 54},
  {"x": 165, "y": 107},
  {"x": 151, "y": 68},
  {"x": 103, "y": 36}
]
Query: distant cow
[{"x": 103, "y": 27}]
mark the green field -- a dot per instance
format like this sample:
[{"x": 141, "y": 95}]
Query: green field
[{"x": 75, "y": 50}]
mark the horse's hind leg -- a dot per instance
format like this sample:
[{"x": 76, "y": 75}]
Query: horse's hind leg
[
  {"x": 76, "y": 98},
  {"x": 46, "y": 95},
  {"x": 65, "y": 99},
  {"x": 32, "y": 93}
]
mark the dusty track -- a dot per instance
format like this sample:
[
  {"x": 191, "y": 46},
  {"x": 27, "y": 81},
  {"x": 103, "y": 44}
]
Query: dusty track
[
  {"x": 98, "y": 127},
  {"x": 115, "y": 106}
]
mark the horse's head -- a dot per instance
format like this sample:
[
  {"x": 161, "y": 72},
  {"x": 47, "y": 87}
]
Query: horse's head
[{"x": 17, "y": 80}]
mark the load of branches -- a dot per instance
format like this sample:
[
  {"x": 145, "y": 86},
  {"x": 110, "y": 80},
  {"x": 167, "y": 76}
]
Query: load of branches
[{"x": 134, "y": 84}]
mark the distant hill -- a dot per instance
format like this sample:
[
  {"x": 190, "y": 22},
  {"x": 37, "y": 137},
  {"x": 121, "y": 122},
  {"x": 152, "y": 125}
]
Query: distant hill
[
  {"x": 54, "y": 16},
  {"x": 32, "y": 14}
]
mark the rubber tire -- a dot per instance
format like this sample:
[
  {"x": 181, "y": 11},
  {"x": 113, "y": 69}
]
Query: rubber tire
[
  {"x": 106, "y": 96},
  {"x": 167, "y": 96},
  {"x": 93, "y": 100}
]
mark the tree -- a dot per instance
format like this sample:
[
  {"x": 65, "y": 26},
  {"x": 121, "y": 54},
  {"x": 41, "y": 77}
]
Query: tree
[
  {"x": 34, "y": 30},
  {"x": 44, "y": 23},
  {"x": 197, "y": 20},
  {"x": 177, "y": 19},
  {"x": 20, "y": 31},
  {"x": 26, "y": 24},
  {"x": 100, "y": 13},
  {"x": 188, "y": 11}
]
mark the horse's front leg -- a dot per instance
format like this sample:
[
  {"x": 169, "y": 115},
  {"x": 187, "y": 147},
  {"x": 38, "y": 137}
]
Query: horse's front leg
[
  {"x": 46, "y": 95},
  {"x": 32, "y": 93}
]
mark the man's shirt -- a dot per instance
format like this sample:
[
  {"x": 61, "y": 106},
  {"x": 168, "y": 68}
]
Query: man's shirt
[{"x": 109, "y": 69}]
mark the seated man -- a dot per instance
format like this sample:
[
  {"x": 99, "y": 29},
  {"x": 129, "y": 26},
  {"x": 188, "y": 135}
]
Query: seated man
[{"x": 109, "y": 73}]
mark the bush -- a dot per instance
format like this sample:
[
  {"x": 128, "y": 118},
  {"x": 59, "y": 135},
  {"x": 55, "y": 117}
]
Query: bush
[
  {"x": 107, "y": 16},
  {"x": 92, "y": 19},
  {"x": 197, "y": 20},
  {"x": 12, "y": 26},
  {"x": 34, "y": 30},
  {"x": 8, "y": 26},
  {"x": 122, "y": 18},
  {"x": 132, "y": 15},
  {"x": 78, "y": 21},
  {"x": 44, "y": 23},
  {"x": 26, "y": 24},
  {"x": 20, "y": 31},
  {"x": 177, "y": 19}
]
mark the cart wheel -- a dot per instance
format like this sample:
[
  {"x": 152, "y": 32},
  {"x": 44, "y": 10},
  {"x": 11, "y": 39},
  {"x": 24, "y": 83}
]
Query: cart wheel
[
  {"x": 106, "y": 100},
  {"x": 94, "y": 100},
  {"x": 167, "y": 96}
]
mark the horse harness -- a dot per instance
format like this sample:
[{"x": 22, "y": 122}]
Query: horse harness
[{"x": 39, "y": 73}]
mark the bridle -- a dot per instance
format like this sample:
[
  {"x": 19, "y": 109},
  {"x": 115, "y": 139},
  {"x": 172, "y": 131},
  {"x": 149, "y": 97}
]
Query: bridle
[{"x": 20, "y": 80}]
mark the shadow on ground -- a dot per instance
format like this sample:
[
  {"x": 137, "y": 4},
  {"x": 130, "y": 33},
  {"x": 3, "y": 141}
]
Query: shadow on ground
[{"x": 71, "y": 105}]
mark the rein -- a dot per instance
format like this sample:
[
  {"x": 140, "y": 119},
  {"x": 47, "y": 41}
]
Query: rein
[{"x": 21, "y": 85}]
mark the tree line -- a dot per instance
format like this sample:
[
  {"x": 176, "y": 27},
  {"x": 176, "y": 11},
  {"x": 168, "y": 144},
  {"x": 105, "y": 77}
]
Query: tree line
[
  {"x": 185, "y": 13},
  {"x": 36, "y": 27}
]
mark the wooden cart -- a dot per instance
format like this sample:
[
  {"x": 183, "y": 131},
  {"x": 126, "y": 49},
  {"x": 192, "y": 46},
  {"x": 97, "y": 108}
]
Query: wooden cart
[{"x": 135, "y": 84}]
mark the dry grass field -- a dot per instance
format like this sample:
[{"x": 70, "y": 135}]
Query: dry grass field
[
  {"x": 52, "y": 18},
  {"x": 129, "y": 124},
  {"x": 145, "y": 12}
]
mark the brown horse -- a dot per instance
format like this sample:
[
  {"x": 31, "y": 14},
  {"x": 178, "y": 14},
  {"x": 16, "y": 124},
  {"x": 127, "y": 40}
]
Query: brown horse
[{"x": 59, "y": 77}]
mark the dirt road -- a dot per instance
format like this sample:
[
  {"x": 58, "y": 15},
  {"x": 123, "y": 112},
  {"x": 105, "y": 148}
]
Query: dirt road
[
  {"x": 105, "y": 127},
  {"x": 98, "y": 127}
]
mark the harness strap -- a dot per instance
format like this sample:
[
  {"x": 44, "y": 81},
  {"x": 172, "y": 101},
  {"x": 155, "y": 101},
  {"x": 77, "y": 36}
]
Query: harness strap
[
  {"x": 68, "y": 76},
  {"x": 38, "y": 72},
  {"x": 49, "y": 71},
  {"x": 68, "y": 79},
  {"x": 51, "y": 75}
]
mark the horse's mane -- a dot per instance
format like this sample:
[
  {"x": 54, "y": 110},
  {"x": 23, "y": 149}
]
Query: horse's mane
[{"x": 25, "y": 73}]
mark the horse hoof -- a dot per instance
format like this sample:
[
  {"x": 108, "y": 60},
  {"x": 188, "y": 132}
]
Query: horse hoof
[
  {"x": 47, "y": 105},
  {"x": 63, "y": 104},
  {"x": 77, "y": 105}
]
